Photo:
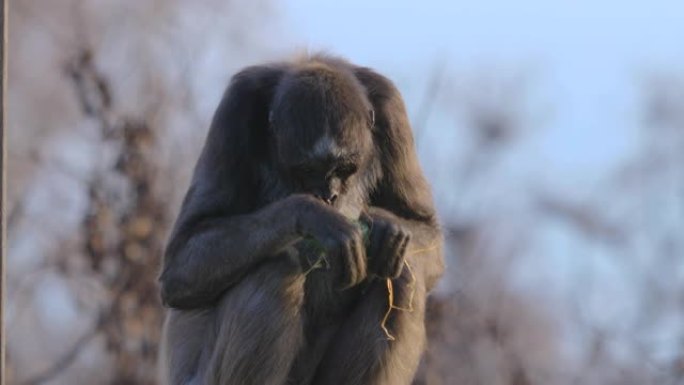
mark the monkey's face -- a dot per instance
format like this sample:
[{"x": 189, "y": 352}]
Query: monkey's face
[
  {"x": 332, "y": 169},
  {"x": 322, "y": 128},
  {"x": 326, "y": 170}
]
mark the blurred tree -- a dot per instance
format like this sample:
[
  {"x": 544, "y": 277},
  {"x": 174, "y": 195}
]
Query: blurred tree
[
  {"x": 623, "y": 321},
  {"x": 110, "y": 102},
  {"x": 108, "y": 106}
]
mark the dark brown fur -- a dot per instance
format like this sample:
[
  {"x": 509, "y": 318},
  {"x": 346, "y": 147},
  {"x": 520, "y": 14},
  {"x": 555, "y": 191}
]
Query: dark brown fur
[{"x": 243, "y": 308}]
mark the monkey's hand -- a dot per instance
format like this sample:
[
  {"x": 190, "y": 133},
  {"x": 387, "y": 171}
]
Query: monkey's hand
[
  {"x": 387, "y": 243},
  {"x": 340, "y": 237}
]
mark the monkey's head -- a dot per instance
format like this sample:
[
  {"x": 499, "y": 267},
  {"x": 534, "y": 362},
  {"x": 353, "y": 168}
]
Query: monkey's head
[{"x": 322, "y": 121}]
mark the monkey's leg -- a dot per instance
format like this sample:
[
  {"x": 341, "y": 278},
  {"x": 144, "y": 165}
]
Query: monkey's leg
[
  {"x": 258, "y": 328},
  {"x": 183, "y": 340},
  {"x": 361, "y": 352},
  {"x": 250, "y": 337}
]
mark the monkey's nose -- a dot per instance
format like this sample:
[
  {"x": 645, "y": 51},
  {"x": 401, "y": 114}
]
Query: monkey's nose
[{"x": 329, "y": 198}]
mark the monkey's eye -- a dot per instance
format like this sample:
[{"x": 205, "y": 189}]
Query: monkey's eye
[
  {"x": 346, "y": 170},
  {"x": 304, "y": 170}
]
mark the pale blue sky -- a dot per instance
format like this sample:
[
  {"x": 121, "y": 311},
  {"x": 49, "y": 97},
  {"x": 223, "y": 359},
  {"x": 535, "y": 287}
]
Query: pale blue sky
[{"x": 586, "y": 57}]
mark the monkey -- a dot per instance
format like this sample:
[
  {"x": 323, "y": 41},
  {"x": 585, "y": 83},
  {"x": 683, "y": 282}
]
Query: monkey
[{"x": 299, "y": 154}]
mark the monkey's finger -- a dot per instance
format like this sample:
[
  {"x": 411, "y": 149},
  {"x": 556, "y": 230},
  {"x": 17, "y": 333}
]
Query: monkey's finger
[
  {"x": 389, "y": 256},
  {"x": 378, "y": 239},
  {"x": 400, "y": 256},
  {"x": 358, "y": 258},
  {"x": 361, "y": 261},
  {"x": 350, "y": 264}
]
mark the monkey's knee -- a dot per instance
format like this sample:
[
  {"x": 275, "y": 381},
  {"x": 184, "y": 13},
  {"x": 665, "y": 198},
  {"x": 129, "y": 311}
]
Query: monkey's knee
[
  {"x": 274, "y": 288},
  {"x": 264, "y": 307}
]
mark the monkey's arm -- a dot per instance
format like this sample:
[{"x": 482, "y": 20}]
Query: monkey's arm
[
  {"x": 208, "y": 255},
  {"x": 423, "y": 251}
]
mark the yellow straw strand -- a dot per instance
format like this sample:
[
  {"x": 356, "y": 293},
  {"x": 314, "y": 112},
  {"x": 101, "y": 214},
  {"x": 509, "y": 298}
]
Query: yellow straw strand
[{"x": 411, "y": 285}]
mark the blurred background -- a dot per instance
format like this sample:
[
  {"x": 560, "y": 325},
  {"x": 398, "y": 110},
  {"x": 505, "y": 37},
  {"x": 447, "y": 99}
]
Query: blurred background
[{"x": 552, "y": 134}]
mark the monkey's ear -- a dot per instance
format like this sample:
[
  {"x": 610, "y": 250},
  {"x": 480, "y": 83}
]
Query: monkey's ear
[
  {"x": 237, "y": 142},
  {"x": 403, "y": 188}
]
